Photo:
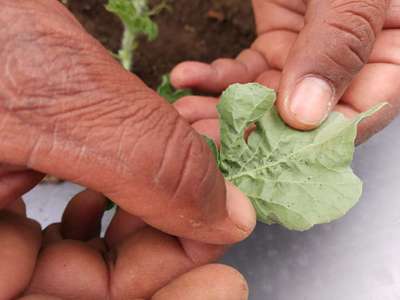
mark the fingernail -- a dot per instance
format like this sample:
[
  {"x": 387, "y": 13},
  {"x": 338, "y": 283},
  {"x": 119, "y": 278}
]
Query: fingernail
[
  {"x": 240, "y": 209},
  {"x": 311, "y": 101}
]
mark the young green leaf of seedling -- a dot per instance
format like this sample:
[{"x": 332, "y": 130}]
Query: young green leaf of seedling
[
  {"x": 136, "y": 18},
  {"x": 293, "y": 178},
  {"x": 166, "y": 90}
]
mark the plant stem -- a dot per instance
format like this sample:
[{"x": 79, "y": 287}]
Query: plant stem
[{"x": 129, "y": 44}]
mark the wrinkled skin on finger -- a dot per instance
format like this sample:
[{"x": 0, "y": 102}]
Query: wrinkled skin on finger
[
  {"x": 133, "y": 261},
  {"x": 352, "y": 45},
  {"x": 67, "y": 108}
]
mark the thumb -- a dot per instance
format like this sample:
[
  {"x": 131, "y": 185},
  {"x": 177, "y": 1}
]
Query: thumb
[{"x": 331, "y": 49}]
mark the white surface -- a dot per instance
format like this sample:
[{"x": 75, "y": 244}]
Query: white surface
[
  {"x": 356, "y": 258},
  {"x": 46, "y": 202}
]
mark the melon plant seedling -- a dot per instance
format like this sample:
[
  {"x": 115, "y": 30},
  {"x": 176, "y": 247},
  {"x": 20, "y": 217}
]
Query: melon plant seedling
[
  {"x": 135, "y": 16},
  {"x": 293, "y": 178}
]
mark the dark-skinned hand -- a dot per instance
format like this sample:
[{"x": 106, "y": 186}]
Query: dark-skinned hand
[
  {"x": 67, "y": 108},
  {"x": 320, "y": 56},
  {"x": 133, "y": 261}
]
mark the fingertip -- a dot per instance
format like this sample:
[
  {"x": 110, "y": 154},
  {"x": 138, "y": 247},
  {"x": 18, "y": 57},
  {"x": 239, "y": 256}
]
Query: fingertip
[
  {"x": 80, "y": 264},
  {"x": 241, "y": 211},
  {"x": 191, "y": 74},
  {"x": 196, "y": 108},
  {"x": 202, "y": 253},
  {"x": 82, "y": 217},
  {"x": 307, "y": 104},
  {"x": 214, "y": 281},
  {"x": 230, "y": 274},
  {"x": 121, "y": 227}
]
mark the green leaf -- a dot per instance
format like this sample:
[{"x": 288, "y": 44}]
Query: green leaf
[
  {"x": 136, "y": 17},
  {"x": 134, "y": 14},
  {"x": 166, "y": 90},
  {"x": 297, "y": 179}
]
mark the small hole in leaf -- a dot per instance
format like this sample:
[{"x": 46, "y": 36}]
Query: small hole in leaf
[{"x": 249, "y": 130}]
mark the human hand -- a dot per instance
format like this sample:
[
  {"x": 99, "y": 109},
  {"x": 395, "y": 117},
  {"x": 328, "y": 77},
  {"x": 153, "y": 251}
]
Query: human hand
[
  {"x": 134, "y": 261},
  {"x": 320, "y": 56},
  {"x": 68, "y": 109}
]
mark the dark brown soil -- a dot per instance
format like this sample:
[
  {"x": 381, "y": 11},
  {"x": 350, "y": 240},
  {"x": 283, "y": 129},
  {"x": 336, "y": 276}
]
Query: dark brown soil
[{"x": 194, "y": 29}]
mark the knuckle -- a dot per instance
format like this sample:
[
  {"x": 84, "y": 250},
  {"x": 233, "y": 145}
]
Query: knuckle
[
  {"x": 276, "y": 53},
  {"x": 184, "y": 172},
  {"x": 354, "y": 26},
  {"x": 186, "y": 157},
  {"x": 156, "y": 143},
  {"x": 70, "y": 255},
  {"x": 363, "y": 19},
  {"x": 171, "y": 162},
  {"x": 149, "y": 116}
]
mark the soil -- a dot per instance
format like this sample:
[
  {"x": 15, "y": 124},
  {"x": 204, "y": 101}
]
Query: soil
[{"x": 200, "y": 30}]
